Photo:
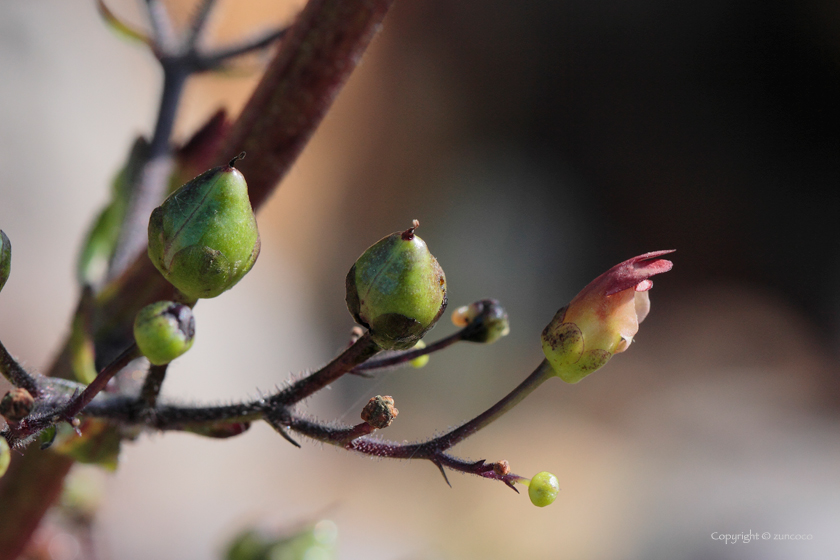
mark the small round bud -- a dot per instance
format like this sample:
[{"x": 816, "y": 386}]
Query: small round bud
[
  {"x": 487, "y": 321},
  {"x": 5, "y": 258},
  {"x": 419, "y": 361},
  {"x": 16, "y": 404},
  {"x": 204, "y": 237},
  {"x": 164, "y": 330},
  {"x": 501, "y": 468},
  {"x": 380, "y": 411},
  {"x": 5, "y": 456},
  {"x": 543, "y": 489},
  {"x": 397, "y": 290}
]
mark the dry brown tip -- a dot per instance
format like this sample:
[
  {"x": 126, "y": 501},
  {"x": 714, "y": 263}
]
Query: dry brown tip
[
  {"x": 501, "y": 468},
  {"x": 16, "y": 404},
  {"x": 408, "y": 234},
  {"x": 380, "y": 411}
]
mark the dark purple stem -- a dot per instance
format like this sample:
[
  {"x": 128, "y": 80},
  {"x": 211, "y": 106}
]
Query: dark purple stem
[
  {"x": 407, "y": 356},
  {"x": 100, "y": 381},
  {"x": 356, "y": 354}
]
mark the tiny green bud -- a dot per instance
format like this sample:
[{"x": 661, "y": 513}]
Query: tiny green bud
[
  {"x": 487, "y": 321},
  {"x": 5, "y": 258},
  {"x": 419, "y": 361},
  {"x": 5, "y": 456},
  {"x": 164, "y": 330},
  {"x": 397, "y": 290},
  {"x": 543, "y": 489},
  {"x": 204, "y": 237}
]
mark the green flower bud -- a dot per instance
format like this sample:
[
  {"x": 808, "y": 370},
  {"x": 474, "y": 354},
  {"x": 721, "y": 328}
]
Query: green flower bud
[
  {"x": 419, "y": 361},
  {"x": 5, "y": 456},
  {"x": 397, "y": 290},
  {"x": 164, "y": 330},
  {"x": 487, "y": 321},
  {"x": 543, "y": 489},
  {"x": 5, "y": 258},
  {"x": 204, "y": 237}
]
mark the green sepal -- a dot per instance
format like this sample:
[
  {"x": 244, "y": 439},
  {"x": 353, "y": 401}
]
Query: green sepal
[{"x": 564, "y": 348}]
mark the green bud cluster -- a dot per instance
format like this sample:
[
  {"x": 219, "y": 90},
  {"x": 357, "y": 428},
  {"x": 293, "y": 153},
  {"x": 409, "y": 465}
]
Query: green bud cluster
[
  {"x": 164, "y": 330},
  {"x": 204, "y": 237},
  {"x": 397, "y": 290},
  {"x": 5, "y": 258}
]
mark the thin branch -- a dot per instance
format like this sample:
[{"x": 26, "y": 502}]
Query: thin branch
[
  {"x": 199, "y": 22},
  {"x": 34, "y": 424},
  {"x": 274, "y": 410},
  {"x": 163, "y": 34},
  {"x": 356, "y": 354},
  {"x": 400, "y": 358},
  {"x": 168, "y": 417},
  {"x": 215, "y": 59}
]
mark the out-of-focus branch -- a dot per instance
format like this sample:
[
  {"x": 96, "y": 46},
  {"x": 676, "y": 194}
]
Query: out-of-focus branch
[{"x": 315, "y": 59}]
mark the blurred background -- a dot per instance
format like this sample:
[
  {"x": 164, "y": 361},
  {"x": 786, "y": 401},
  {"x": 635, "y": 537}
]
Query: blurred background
[{"x": 538, "y": 143}]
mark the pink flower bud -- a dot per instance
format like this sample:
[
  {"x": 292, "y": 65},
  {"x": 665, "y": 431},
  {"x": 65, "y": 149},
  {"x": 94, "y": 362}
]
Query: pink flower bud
[{"x": 603, "y": 318}]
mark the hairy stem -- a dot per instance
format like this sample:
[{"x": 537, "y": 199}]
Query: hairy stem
[
  {"x": 151, "y": 385},
  {"x": 168, "y": 417},
  {"x": 358, "y": 353},
  {"x": 15, "y": 373},
  {"x": 399, "y": 358}
]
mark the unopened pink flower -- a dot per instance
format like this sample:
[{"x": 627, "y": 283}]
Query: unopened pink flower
[{"x": 603, "y": 318}]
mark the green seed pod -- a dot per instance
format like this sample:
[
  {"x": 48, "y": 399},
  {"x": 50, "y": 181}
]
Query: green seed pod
[
  {"x": 397, "y": 290},
  {"x": 543, "y": 489},
  {"x": 164, "y": 330},
  {"x": 204, "y": 237},
  {"x": 5, "y": 456},
  {"x": 5, "y": 258}
]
